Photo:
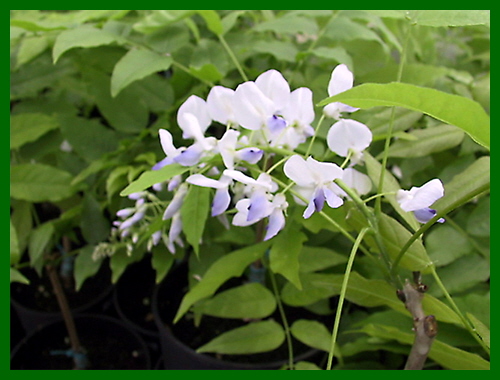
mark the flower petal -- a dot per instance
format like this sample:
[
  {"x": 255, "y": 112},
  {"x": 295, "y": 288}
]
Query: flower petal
[
  {"x": 275, "y": 87},
  {"x": 420, "y": 197},
  {"x": 201, "y": 180},
  {"x": 276, "y": 224},
  {"x": 348, "y": 134},
  {"x": 298, "y": 171},
  {"x": 220, "y": 104},
  {"x": 167, "y": 144},
  {"x": 423, "y": 215},
  {"x": 197, "y": 107},
  {"x": 252, "y": 108},
  {"x": 341, "y": 80},
  {"x": 221, "y": 201}
]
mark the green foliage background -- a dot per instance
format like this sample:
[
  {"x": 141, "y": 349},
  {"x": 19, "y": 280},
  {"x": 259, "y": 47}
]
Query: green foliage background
[{"x": 105, "y": 81}]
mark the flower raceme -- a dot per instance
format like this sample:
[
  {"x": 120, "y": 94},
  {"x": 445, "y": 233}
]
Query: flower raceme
[{"x": 259, "y": 115}]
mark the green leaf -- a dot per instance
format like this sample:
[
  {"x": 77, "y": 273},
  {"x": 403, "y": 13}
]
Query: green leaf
[
  {"x": 31, "y": 47},
  {"x": 450, "y": 17},
  {"x": 85, "y": 266},
  {"x": 194, "y": 214},
  {"x": 361, "y": 291},
  {"x": 135, "y": 65},
  {"x": 231, "y": 265},
  {"x": 81, "y": 134},
  {"x": 427, "y": 141},
  {"x": 149, "y": 178},
  {"x": 16, "y": 276},
  {"x": 82, "y": 36},
  {"x": 255, "y": 337},
  {"x": 462, "y": 274},
  {"x": 306, "y": 366},
  {"x": 14, "y": 245},
  {"x": 345, "y": 29},
  {"x": 478, "y": 223},
  {"x": 161, "y": 261},
  {"x": 312, "y": 333},
  {"x": 127, "y": 112},
  {"x": 207, "y": 72},
  {"x": 480, "y": 329},
  {"x": 28, "y": 127},
  {"x": 465, "y": 186},
  {"x": 395, "y": 236},
  {"x": 94, "y": 225},
  {"x": 250, "y": 300},
  {"x": 213, "y": 21},
  {"x": 22, "y": 221},
  {"x": 38, "y": 183},
  {"x": 313, "y": 259},
  {"x": 284, "y": 256},
  {"x": 39, "y": 242},
  {"x": 391, "y": 185},
  {"x": 281, "y": 50},
  {"x": 450, "y": 109},
  {"x": 443, "y": 354},
  {"x": 160, "y": 19},
  {"x": 445, "y": 244},
  {"x": 289, "y": 24}
]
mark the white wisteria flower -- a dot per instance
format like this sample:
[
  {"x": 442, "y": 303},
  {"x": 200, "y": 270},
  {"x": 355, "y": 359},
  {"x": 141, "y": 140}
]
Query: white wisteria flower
[
  {"x": 419, "y": 199},
  {"x": 314, "y": 181},
  {"x": 349, "y": 135},
  {"x": 341, "y": 80}
]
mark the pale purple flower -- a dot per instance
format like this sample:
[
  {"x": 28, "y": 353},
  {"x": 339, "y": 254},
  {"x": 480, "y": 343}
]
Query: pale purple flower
[
  {"x": 418, "y": 200},
  {"x": 314, "y": 182},
  {"x": 220, "y": 105},
  {"x": 222, "y": 198}
]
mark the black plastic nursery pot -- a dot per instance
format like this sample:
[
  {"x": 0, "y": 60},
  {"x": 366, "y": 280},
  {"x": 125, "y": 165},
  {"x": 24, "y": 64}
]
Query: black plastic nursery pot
[
  {"x": 36, "y": 303},
  {"x": 108, "y": 342},
  {"x": 179, "y": 341},
  {"x": 132, "y": 298}
]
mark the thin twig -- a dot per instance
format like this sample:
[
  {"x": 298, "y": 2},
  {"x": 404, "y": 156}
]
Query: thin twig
[{"x": 66, "y": 313}]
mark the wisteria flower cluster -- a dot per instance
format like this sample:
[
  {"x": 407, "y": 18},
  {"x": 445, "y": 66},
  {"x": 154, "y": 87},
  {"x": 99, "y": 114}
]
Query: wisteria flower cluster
[{"x": 264, "y": 119}]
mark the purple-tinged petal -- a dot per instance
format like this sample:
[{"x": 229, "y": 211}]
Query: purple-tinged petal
[
  {"x": 252, "y": 108},
  {"x": 201, "y": 180},
  {"x": 259, "y": 207},
  {"x": 425, "y": 214},
  {"x": 167, "y": 144},
  {"x": 311, "y": 207},
  {"x": 189, "y": 157},
  {"x": 276, "y": 124},
  {"x": 276, "y": 224},
  {"x": 250, "y": 155},
  {"x": 332, "y": 199},
  {"x": 123, "y": 213},
  {"x": 420, "y": 197},
  {"x": 221, "y": 201},
  {"x": 160, "y": 164},
  {"x": 176, "y": 202}
]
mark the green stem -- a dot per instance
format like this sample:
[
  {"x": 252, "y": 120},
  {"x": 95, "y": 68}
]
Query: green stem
[
  {"x": 283, "y": 318},
  {"x": 343, "y": 292},
  {"x": 373, "y": 223},
  {"x": 378, "y": 202},
  {"x": 309, "y": 148},
  {"x": 233, "y": 57}
]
